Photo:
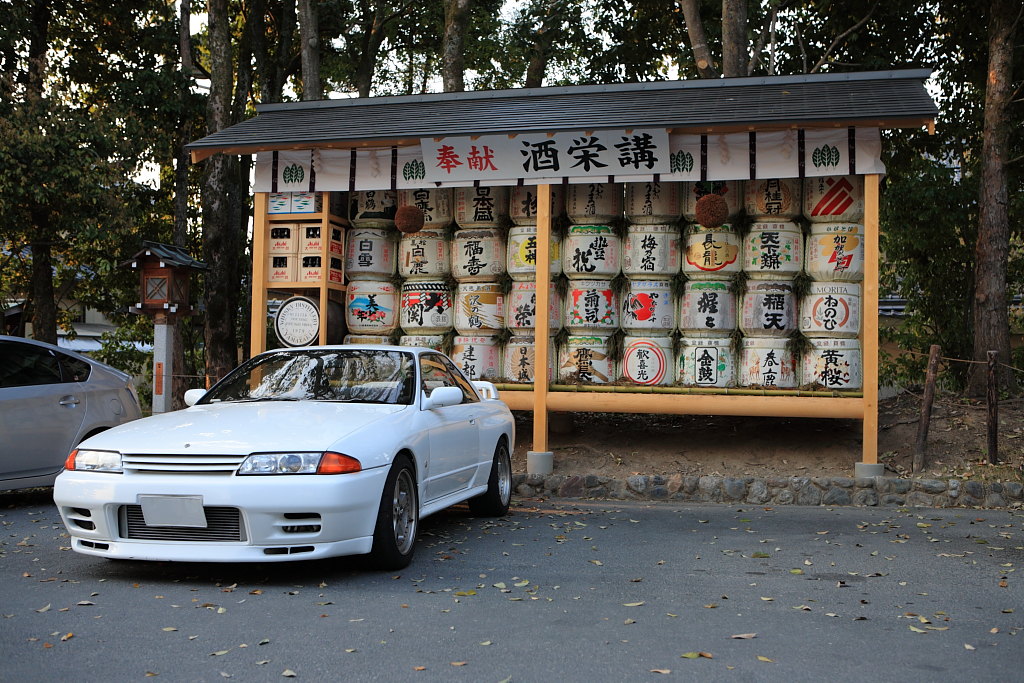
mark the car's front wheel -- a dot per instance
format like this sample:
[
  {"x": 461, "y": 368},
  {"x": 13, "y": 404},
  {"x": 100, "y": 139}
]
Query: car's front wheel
[
  {"x": 394, "y": 537},
  {"x": 495, "y": 500}
]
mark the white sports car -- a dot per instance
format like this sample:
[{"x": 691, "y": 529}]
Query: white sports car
[{"x": 296, "y": 454}]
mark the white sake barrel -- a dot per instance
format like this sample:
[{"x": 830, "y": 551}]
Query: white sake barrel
[
  {"x": 426, "y": 307},
  {"x": 773, "y": 250},
  {"x": 521, "y": 308},
  {"x": 833, "y": 199},
  {"x": 766, "y": 363},
  {"x": 365, "y": 339},
  {"x": 711, "y": 253},
  {"x": 477, "y": 357},
  {"x": 426, "y": 341},
  {"x": 371, "y": 254},
  {"x": 371, "y": 307},
  {"x": 481, "y": 206},
  {"x": 772, "y": 198},
  {"x": 730, "y": 190},
  {"x": 374, "y": 208},
  {"x": 585, "y": 359},
  {"x": 434, "y": 202},
  {"x": 707, "y": 362},
  {"x": 479, "y": 309},
  {"x": 478, "y": 254},
  {"x": 647, "y": 307},
  {"x": 590, "y": 203},
  {"x": 591, "y": 251},
  {"x": 653, "y": 203},
  {"x": 835, "y": 252},
  {"x": 707, "y": 309},
  {"x": 521, "y": 254},
  {"x": 591, "y": 307},
  {"x": 519, "y": 360},
  {"x": 831, "y": 309},
  {"x": 424, "y": 254},
  {"x": 522, "y": 204},
  {"x": 834, "y": 364},
  {"x": 769, "y": 309},
  {"x": 648, "y": 361},
  {"x": 651, "y": 251}
]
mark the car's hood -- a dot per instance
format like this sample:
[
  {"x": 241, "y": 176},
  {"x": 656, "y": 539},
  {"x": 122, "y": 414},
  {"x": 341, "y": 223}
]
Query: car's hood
[{"x": 243, "y": 428}]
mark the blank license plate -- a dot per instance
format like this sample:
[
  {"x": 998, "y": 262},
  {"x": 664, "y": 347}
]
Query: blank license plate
[{"x": 173, "y": 511}]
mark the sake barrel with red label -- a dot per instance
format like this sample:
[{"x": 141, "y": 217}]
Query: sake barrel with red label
[
  {"x": 521, "y": 254},
  {"x": 478, "y": 254},
  {"x": 589, "y": 203},
  {"x": 767, "y": 363},
  {"x": 371, "y": 254},
  {"x": 711, "y": 253},
  {"x": 772, "y": 198},
  {"x": 648, "y": 360},
  {"x": 769, "y": 309},
  {"x": 521, "y": 308},
  {"x": 707, "y": 309},
  {"x": 479, "y": 309},
  {"x": 424, "y": 254},
  {"x": 477, "y": 357},
  {"x": 426, "y": 341},
  {"x": 519, "y": 360},
  {"x": 833, "y": 364},
  {"x": 480, "y": 207},
  {"x": 730, "y": 190},
  {"x": 707, "y": 362},
  {"x": 651, "y": 251},
  {"x": 586, "y": 359},
  {"x": 434, "y": 202},
  {"x": 834, "y": 199},
  {"x": 374, "y": 208},
  {"x": 647, "y": 307},
  {"x": 591, "y": 251},
  {"x": 656, "y": 203},
  {"x": 365, "y": 339},
  {"x": 371, "y": 307},
  {"x": 831, "y": 309},
  {"x": 522, "y": 204},
  {"x": 835, "y": 252},
  {"x": 773, "y": 250},
  {"x": 591, "y": 307},
  {"x": 426, "y": 307}
]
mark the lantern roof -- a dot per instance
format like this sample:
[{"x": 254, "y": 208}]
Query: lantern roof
[{"x": 168, "y": 254}]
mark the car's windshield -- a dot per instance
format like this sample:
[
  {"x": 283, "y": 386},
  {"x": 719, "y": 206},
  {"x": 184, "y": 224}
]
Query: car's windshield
[{"x": 351, "y": 376}]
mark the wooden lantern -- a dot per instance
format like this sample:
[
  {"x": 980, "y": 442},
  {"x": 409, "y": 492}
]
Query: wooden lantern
[{"x": 164, "y": 273}]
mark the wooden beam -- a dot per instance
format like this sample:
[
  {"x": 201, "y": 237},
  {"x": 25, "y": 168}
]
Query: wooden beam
[
  {"x": 869, "y": 324},
  {"x": 258, "y": 309},
  {"x": 541, "y": 333}
]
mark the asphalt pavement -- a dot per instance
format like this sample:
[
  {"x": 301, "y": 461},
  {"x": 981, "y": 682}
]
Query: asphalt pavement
[{"x": 560, "y": 590}]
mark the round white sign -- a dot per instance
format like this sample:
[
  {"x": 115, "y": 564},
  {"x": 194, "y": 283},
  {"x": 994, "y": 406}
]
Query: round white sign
[{"x": 297, "y": 322}]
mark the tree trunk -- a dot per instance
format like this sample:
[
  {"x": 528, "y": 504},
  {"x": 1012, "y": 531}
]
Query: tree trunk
[
  {"x": 698, "y": 41},
  {"x": 44, "y": 305},
  {"x": 544, "y": 38},
  {"x": 453, "y": 61},
  {"x": 373, "y": 36},
  {"x": 991, "y": 314},
  {"x": 283, "y": 62},
  {"x": 734, "y": 38},
  {"x": 309, "y": 34}
]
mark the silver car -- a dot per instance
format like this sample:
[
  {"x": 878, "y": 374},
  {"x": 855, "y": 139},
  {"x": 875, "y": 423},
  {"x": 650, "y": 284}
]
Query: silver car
[{"x": 50, "y": 400}]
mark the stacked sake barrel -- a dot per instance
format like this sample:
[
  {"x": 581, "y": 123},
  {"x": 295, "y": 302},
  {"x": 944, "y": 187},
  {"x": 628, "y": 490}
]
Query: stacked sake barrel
[{"x": 371, "y": 259}]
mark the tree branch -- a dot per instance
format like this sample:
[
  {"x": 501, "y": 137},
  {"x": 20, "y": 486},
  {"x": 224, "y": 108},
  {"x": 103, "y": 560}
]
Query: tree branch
[
  {"x": 843, "y": 35},
  {"x": 698, "y": 42}
]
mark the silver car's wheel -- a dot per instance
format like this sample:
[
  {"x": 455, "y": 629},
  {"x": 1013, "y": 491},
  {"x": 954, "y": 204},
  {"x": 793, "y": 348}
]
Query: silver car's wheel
[
  {"x": 394, "y": 536},
  {"x": 403, "y": 512},
  {"x": 494, "y": 502}
]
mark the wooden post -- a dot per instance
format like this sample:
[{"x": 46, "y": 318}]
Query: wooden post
[
  {"x": 993, "y": 409},
  {"x": 258, "y": 310},
  {"x": 539, "y": 459},
  {"x": 869, "y": 328},
  {"x": 926, "y": 408}
]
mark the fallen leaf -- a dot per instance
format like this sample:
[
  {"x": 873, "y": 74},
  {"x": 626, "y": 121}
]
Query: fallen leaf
[
  {"x": 288, "y": 673},
  {"x": 690, "y": 655},
  {"x": 632, "y": 604},
  {"x": 768, "y": 599},
  {"x": 465, "y": 593},
  {"x": 265, "y": 641},
  {"x": 627, "y": 622},
  {"x": 486, "y": 642},
  {"x": 458, "y": 663},
  {"x": 66, "y": 637},
  {"x": 83, "y": 603},
  {"x": 761, "y": 658},
  {"x": 419, "y": 668},
  {"x": 218, "y": 653},
  {"x": 916, "y": 629},
  {"x": 661, "y": 671},
  {"x": 256, "y": 591},
  {"x": 744, "y": 636},
  {"x": 711, "y": 606},
  {"x": 796, "y": 571},
  {"x": 599, "y": 563},
  {"x": 968, "y": 647},
  {"x": 44, "y": 608},
  {"x": 760, "y": 555}
]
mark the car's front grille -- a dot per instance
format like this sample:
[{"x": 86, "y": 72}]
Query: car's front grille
[
  {"x": 177, "y": 464},
  {"x": 222, "y": 524}
]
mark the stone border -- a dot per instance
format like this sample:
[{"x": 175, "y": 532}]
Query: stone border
[{"x": 869, "y": 491}]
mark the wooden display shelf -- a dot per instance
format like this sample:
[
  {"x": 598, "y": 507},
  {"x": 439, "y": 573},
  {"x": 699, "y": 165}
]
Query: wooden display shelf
[
  {"x": 305, "y": 285},
  {"x": 308, "y": 218}
]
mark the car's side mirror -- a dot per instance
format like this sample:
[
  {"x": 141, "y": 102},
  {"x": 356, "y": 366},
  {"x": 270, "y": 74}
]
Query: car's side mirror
[
  {"x": 443, "y": 396},
  {"x": 192, "y": 396}
]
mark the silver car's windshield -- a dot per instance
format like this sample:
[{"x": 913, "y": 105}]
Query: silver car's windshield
[{"x": 356, "y": 376}]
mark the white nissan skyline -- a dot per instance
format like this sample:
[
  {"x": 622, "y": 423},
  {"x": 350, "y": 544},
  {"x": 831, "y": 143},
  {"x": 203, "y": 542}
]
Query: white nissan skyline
[{"x": 296, "y": 454}]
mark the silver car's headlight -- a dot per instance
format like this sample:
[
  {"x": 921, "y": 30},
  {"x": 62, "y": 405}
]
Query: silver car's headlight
[
  {"x": 93, "y": 461},
  {"x": 299, "y": 463}
]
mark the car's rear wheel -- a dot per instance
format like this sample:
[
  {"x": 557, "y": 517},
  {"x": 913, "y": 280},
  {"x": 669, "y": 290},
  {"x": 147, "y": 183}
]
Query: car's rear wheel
[
  {"x": 394, "y": 537},
  {"x": 495, "y": 500}
]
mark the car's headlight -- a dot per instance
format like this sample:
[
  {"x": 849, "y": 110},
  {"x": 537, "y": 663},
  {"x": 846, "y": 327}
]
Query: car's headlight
[
  {"x": 93, "y": 461},
  {"x": 299, "y": 463}
]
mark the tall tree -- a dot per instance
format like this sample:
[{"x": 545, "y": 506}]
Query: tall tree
[
  {"x": 453, "y": 61},
  {"x": 309, "y": 30}
]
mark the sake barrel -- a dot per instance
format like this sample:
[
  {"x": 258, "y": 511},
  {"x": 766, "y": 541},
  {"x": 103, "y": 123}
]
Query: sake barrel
[
  {"x": 519, "y": 360},
  {"x": 426, "y": 341},
  {"x": 707, "y": 309},
  {"x": 477, "y": 357},
  {"x": 424, "y": 254},
  {"x": 365, "y": 339},
  {"x": 591, "y": 203},
  {"x": 711, "y": 253},
  {"x": 651, "y": 251},
  {"x": 707, "y": 362},
  {"x": 730, "y": 190},
  {"x": 835, "y": 252},
  {"x": 522, "y": 204},
  {"x": 766, "y": 363},
  {"x": 647, "y": 307},
  {"x": 478, "y": 254},
  {"x": 481, "y": 206},
  {"x": 772, "y": 198},
  {"x": 768, "y": 309},
  {"x": 371, "y": 307},
  {"x": 831, "y": 309},
  {"x": 834, "y": 364},
  {"x": 585, "y": 359},
  {"x": 521, "y": 308},
  {"x": 370, "y": 254},
  {"x": 373, "y": 208},
  {"x": 831, "y": 199},
  {"x": 426, "y": 307},
  {"x": 521, "y": 254},
  {"x": 654, "y": 203},
  {"x": 434, "y": 202},
  {"x": 479, "y": 309},
  {"x": 773, "y": 250},
  {"x": 591, "y": 251},
  {"x": 591, "y": 307},
  {"x": 648, "y": 361}
]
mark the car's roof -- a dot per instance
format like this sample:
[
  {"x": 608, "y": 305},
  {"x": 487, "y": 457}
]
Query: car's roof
[
  {"x": 416, "y": 350},
  {"x": 46, "y": 345}
]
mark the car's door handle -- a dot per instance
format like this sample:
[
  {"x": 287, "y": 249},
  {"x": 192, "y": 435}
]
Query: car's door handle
[{"x": 69, "y": 401}]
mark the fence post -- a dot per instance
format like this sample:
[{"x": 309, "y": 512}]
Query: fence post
[
  {"x": 926, "y": 408},
  {"x": 993, "y": 409}
]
